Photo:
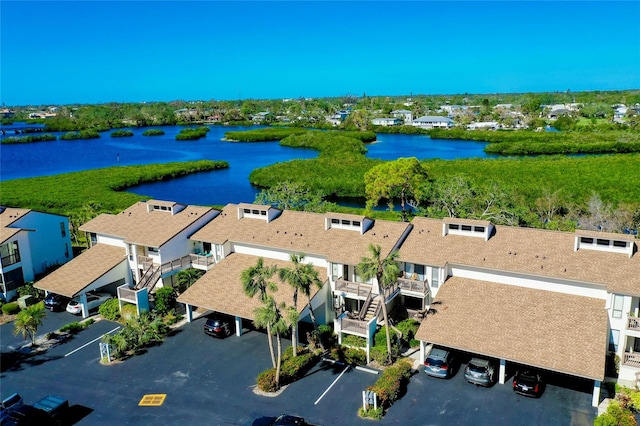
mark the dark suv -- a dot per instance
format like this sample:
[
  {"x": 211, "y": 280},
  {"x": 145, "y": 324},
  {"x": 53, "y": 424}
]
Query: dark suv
[
  {"x": 217, "y": 327},
  {"x": 440, "y": 363},
  {"x": 56, "y": 302},
  {"x": 528, "y": 382}
]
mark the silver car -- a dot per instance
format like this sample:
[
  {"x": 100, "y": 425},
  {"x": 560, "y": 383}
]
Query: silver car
[
  {"x": 480, "y": 372},
  {"x": 440, "y": 363}
]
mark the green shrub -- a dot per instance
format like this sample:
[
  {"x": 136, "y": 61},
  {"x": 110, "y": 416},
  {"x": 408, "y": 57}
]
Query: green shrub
[
  {"x": 110, "y": 310},
  {"x": 355, "y": 356},
  {"x": 371, "y": 413},
  {"x": 354, "y": 341},
  {"x": 121, "y": 133},
  {"x": 153, "y": 132},
  {"x": 171, "y": 317},
  {"x": 409, "y": 327},
  {"x": 389, "y": 386},
  {"x": 296, "y": 366},
  {"x": 29, "y": 290},
  {"x": 10, "y": 308},
  {"x": 128, "y": 312},
  {"x": 615, "y": 416},
  {"x": 82, "y": 134},
  {"x": 165, "y": 299},
  {"x": 72, "y": 328},
  {"x": 266, "y": 380}
]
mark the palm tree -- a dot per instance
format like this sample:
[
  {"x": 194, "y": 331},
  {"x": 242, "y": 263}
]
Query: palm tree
[
  {"x": 302, "y": 277},
  {"x": 255, "y": 280},
  {"x": 386, "y": 272},
  {"x": 187, "y": 277},
  {"x": 277, "y": 318},
  {"x": 28, "y": 320}
]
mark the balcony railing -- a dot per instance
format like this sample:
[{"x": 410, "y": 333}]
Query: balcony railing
[
  {"x": 201, "y": 260},
  {"x": 353, "y": 326},
  {"x": 414, "y": 286},
  {"x": 631, "y": 359},
  {"x": 127, "y": 294},
  {"x": 10, "y": 259},
  {"x": 633, "y": 323},
  {"x": 360, "y": 289}
]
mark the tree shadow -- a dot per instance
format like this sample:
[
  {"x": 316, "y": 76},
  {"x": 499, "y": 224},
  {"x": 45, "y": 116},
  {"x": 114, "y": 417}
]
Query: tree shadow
[{"x": 17, "y": 360}]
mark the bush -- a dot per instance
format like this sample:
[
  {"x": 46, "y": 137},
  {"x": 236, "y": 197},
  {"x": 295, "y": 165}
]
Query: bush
[
  {"x": 352, "y": 356},
  {"x": 72, "y": 328},
  {"x": 171, "y": 317},
  {"x": 29, "y": 290},
  {"x": 267, "y": 380},
  {"x": 615, "y": 416},
  {"x": 296, "y": 366},
  {"x": 390, "y": 384},
  {"x": 128, "y": 312},
  {"x": 153, "y": 132},
  {"x": 409, "y": 327},
  {"x": 354, "y": 341},
  {"x": 371, "y": 413},
  {"x": 10, "y": 308},
  {"x": 110, "y": 310},
  {"x": 121, "y": 133},
  {"x": 165, "y": 299}
]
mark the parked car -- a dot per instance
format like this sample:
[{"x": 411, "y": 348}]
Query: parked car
[
  {"x": 286, "y": 420},
  {"x": 9, "y": 404},
  {"x": 217, "y": 327},
  {"x": 528, "y": 382},
  {"x": 440, "y": 363},
  {"x": 50, "y": 410},
  {"x": 480, "y": 372},
  {"x": 93, "y": 301},
  {"x": 56, "y": 302}
]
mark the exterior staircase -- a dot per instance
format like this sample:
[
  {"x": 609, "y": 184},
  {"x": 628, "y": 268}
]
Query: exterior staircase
[
  {"x": 149, "y": 278},
  {"x": 373, "y": 309}
]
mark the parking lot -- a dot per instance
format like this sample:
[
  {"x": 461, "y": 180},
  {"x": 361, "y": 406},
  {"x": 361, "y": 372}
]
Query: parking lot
[{"x": 208, "y": 380}]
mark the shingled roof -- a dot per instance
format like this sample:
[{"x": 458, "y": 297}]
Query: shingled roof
[
  {"x": 523, "y": 250},
  {"x": 73, "y": 277},
  {"x": 303, "y": 232},
  {"x": 548, "y": 330},
  {"x": 138, "y": 225},
  {"x": 220, "y": 289}
]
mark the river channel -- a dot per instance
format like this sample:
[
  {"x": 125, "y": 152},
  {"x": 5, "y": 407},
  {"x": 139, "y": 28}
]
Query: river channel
[{"x": 207, "y": 188}]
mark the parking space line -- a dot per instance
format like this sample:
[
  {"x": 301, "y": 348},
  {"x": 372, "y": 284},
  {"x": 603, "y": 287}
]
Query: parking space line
[
  {"x": 94, "y": 340},
  {"x": 334, "y": 382}
]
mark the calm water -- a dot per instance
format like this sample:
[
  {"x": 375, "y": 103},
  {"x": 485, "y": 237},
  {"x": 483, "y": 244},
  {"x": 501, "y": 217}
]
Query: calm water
[{"x": 208, "y": 188}]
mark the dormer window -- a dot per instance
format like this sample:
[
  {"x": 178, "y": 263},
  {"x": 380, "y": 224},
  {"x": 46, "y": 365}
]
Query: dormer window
[
  {"x": 469, "y": 227},
  {"x": 603, "y": 241},
  {"x": 267, "y": 213},
  {"x": 346, "y": 221}
]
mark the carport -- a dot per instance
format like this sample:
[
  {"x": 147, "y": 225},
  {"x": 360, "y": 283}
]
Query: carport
[
  {"x": 548, "y": 330},
  {"x": 220, "y": 290},
  {"x": 97, "y": 267}
]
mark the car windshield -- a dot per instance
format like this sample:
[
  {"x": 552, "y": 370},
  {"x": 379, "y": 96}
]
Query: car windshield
[{"x": 527, "y": 376}]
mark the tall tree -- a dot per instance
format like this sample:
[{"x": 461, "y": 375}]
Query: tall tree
[
  {"x": 277, "y": 318},
  {"x": 28, "y": 320},
  {"x": 301, "y": 277},
  {"x": 385, "y": 271},
  {"x": 255, "y": 280},
  {"x": 404, "y": 179}
]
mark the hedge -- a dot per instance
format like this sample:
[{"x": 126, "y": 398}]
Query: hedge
[
  {"x": 391, "y": 383},
  {"x": 10, "y": 308}
]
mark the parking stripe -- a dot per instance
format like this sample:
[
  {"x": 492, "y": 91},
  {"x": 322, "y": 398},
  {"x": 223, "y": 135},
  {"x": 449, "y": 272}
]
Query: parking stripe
[
  {"x": 94, "y": 340},
  {"x": 334, "y": 382}
]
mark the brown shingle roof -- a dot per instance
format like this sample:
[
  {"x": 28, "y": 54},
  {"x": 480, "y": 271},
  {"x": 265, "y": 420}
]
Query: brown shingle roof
[
  {"x": 522, "y": 250},
  {"x": 8, "y": 216},
  {"x": 554, "y": 331},
  {"x": 220, "y": 289},
  {"x": 74, "y": 276},
  {"x": 136, "y": 225},
  {"x": 303, "y": 232}
]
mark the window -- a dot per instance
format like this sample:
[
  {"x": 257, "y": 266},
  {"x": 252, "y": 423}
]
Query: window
[
  {"x": 94, "y": 238},
  {"x": 346, "y": 222},
  {"x": 479, "y": 229},
  {"x": 246, "y": 211},
  {"x": 435, "y": 277},
  {"x": 66, "y": 250},
  {"x": 263, "y": 212},
  {"x": 335, "y": 221},
  {"x": 622, "y": 244},
  {"x": 152, "y": 250},
  {"x": 454, "y": 227},
  {"x": 255, "y": 212},
  {"x": 602, "y": 242},
  {"x": 466, "y": 227},
  {"x": 419, "y": 269},
  {"x": 586, "y": 240},
  {"x": 63, "y": 229},
  {"x": 614, "y": 337},
  {"x": 356, "y": 223},
  {"x": 335, "y": 270},
  {"x": 617, "y": 305}
]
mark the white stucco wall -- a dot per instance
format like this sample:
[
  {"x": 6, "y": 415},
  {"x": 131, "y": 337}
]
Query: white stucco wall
[{"x": 48, "y": 246}]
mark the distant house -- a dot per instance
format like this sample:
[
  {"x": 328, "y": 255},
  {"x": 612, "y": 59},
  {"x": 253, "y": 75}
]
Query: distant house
[
  {"x": 453, "y": 109},
  {"x": 337, "y": 118},
  {"x": 5, "y": 112},
  {"x": 31, "y": 243},
  {"x": 261, "y": 116},
  {"x": 486, "y": 125},
  {"x": 433, "y": 122},
  {"x": 554, "y": 114},
  {"x": 386, "y": 121},
  {"x": 405, "y": 114}
]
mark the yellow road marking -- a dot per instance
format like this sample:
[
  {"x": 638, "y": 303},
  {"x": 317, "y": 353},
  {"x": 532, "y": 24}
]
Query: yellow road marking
[{"x": 152, "y": 400}]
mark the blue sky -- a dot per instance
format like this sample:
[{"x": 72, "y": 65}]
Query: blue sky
[{"x": 57, "y": 52}]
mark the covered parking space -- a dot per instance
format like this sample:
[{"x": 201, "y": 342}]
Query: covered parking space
[
  {"x": 542, "y": 329},
  {"x": 100, "y": 266},
  {"x": 220, "y": 290}
]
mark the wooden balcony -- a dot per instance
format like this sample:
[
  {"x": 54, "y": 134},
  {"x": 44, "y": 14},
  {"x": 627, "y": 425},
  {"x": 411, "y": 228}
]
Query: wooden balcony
[
  {"x": 631, "y": 359},
  {"x": 633, "y": 323},
  {"x": 413, "y": 286},
  {"x": 127, "y": 294},
  {"x": 354, "y": 326},
  {"x": 353, "y": 288}
]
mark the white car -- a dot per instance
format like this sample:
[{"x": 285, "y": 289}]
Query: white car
[{"x": 93, "y": 301}]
